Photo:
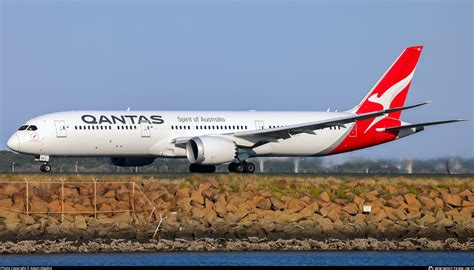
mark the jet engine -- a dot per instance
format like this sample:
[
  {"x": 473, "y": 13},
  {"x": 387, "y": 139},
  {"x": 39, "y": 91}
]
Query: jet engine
[
  {"x": 210, "y": 150},
  {"x": 131, "y": 161}
]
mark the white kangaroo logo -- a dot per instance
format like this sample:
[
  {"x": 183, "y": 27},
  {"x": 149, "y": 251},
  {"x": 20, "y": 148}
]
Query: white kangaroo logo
[{"x": 387, "y": 97}]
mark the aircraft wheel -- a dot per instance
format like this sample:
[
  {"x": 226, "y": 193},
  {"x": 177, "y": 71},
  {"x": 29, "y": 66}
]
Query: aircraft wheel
[
  {"x": 231, "y": 167},
  {"x": 239, "y": 168},
  {"x": 249, "y": 167},
  {"x": 45, "y": 168}
]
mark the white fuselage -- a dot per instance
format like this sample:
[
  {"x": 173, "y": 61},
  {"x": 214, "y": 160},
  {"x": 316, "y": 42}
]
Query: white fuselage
[{"x": 153, "y": 133}]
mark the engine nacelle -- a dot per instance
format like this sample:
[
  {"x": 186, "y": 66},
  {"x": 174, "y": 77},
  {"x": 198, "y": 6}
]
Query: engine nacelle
[
  {"x": 210, "y": 150},
  {"x": 131, "y": 161}
]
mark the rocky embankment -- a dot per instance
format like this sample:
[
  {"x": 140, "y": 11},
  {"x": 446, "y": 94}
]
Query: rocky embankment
[{"x": 236, "y": 212}]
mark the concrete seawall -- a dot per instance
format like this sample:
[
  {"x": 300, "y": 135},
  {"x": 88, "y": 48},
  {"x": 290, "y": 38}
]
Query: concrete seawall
[{"x": 245, "y": 208}]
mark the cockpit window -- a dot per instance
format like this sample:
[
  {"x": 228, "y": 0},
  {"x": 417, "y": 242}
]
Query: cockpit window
[
  {"x": 32, "y": 128},
  {"x": 22, "y": 127}
]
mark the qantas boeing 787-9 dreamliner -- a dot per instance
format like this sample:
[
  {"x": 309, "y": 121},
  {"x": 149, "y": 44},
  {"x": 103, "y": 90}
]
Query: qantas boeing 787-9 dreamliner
[{"x": 210, "y": 138}]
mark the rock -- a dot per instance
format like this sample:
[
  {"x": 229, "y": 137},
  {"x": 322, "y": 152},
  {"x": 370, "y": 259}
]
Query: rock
[
  {"x": 110, "y": 194},
  {"x": 220, "y": 207},
  {"x": 266, "y": 194},
  {"x": 370, "y": 197},
  {"x": 412, "y": 201},
  {"x": 38, "y": 205},
  {"x": 184, "y": 204},
  {"x": 53, "y": 229},
  {"x": 454, "y": 190},
  {"x": 209, "y": 214},
  {"x": 264, "y": 204},
  {"x": 379, "y": 216},
  {"x": 309, "y": 210},
  {"x": 428, "y": 202},
  {"x": 427, "y": 219},
  {"x": 326, "y": 209},
  {"x": 83, "y": 209},
  {"x": 241, "y": 214},
  {"x": 12, "y": 225},
  {"x": 359, "y": 201},
  {"x": 123, "y": 226},
  {"x": 6, "y": 203},
  {"x": 453, "y": 199},
  {"x": 326, "y": 224},
  {"x": 105, "y": 208},
  {"x": 70, "y": 192},
  {"x": 467, "y": 203},
  {"x": 351, "y": 208},
  {"x": 103, "y": 219},
  {"x": 80, "y": 222},
  {"x": 197, "y": 197},
  {"x": 210, "y": 195},
  {"x": 333, "y": 215},
  {"x": 122, "y": 217},
  {"x": 231, "y": 208},
  {"x": 183, "y": 192},
  {"x": 395, "y": 214},
  {"x": 384, "y": 225},
  {"x": 465, "y": 193},
  {"x": 324, "y": 197},
  {"x": 277, "y": 204},
  {"x": 197, "y": 213},
  {"x": 466, "y": 212},
  {"x": 84, "y": 191},
  {"x": 439, "y": 202},
  {"x": 413, "y": 215},
  {"x": 392, "y": 190},
  {"x": 295, "y": 205},
  {"x": 266, "y": 214},
  {"x": 10, "y": 190},
  {"x": 306, "y": 200},
  {"x": 28, "y": 220}
]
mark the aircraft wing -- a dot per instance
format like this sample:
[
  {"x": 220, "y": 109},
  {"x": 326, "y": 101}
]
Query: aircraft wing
[
  {"x": 273, "y": 134},
  {"x": 420, "y": 125}
]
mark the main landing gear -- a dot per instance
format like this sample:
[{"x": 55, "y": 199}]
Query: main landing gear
[
  {"x": 45, "y": 167},
  {"x": 197, "y": 168},
  {"x": 242, "y": 167}
]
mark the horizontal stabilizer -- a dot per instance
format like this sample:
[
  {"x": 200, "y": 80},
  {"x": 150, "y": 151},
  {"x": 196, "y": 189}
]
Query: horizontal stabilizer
[{"x": 421, "y": 125}]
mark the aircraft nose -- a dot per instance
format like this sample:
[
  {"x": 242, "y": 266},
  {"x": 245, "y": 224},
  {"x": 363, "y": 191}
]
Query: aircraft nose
[{"x": 14, "y": 143}]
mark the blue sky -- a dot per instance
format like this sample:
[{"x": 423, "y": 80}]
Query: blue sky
[{"x": 238, "y": 55}]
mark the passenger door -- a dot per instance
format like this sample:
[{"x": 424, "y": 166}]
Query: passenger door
[
  {"x": 60, "y": 128},
  {"x": 259, "y": 124},
  {"x": 146, "y": 129}
]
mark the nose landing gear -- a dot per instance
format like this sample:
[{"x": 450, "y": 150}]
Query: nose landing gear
[{"x": 45, "y": 167}]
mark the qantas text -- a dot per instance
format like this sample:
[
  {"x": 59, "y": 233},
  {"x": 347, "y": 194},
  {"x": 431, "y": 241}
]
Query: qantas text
[{"x": 121, "y": 119}]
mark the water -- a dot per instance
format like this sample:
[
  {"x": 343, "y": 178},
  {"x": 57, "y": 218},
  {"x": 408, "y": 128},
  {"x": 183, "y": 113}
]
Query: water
[{"x": 287, "y": 258}]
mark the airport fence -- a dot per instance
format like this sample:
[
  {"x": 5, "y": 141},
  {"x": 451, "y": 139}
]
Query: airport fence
[{"x": 60, "y": 198}]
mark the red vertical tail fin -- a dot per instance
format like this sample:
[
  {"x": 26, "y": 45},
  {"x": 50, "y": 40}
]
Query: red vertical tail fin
[{"x": 392, "y": 88}]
